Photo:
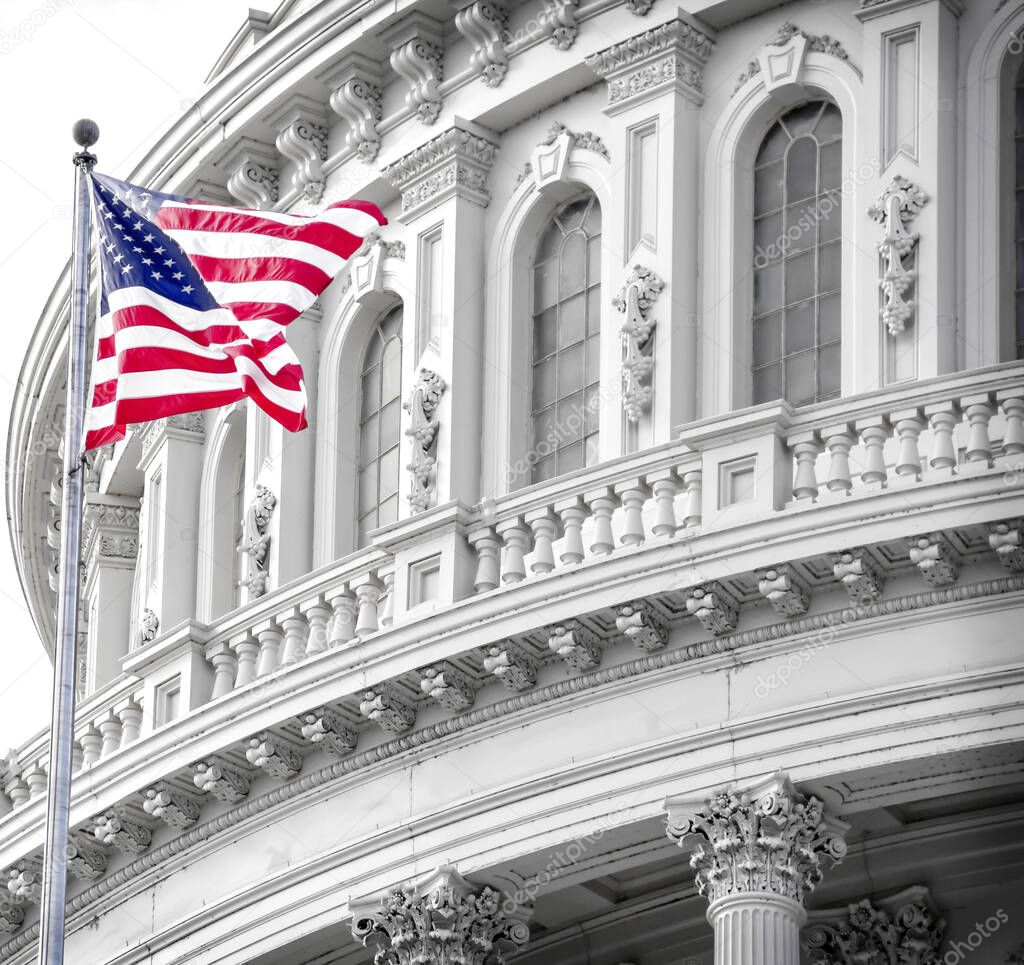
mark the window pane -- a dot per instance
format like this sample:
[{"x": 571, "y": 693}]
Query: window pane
[
  {"x": 545, "y": 469},
  {"x": 767, "y": 289},
  {"x": 390, "y": 424},
  {"x": 592, "y": 222},
  {"x": 768, "y": 188},
  {"x": 388, "y": 511},
  {"x": 545, "y": 334},
  {"x": 828, "y": 318},
  {"x": 800, "y": 327},
  {"x": 799, "y": 277},
  {"x": 569, "y": 418},
  {"x": 545, "y": 285},
  {"x": 831, "y": 165},
  {"x": 544, "y": 434},
  {"x": 830, "y": 125},
  {"x": 767, "y": 243},
  {"x": 594, "y": 310},
  {"x": 543, "y": 384},
  {"x": 802, "y": 169},
  {"x": 391, "y": 370},
  {"x": 550, "y": 242},
  {"x": 371, "y": 388},
  {"x": 592, "y": 445},
  {"x": 768, "y": 383},
  {"x": 573, "y": 268},
  {"x": 368, "y": 488},
  {"x": 774, "y": 145},
  {"x": 800, "y": 378},
  {"x": 368, "y": 441},
  {"x": 570, "y": 370},
  {"x": 592, "y": 409},
  {"x": 801, "y": 231},
  {"x": 767, "y": 338},
  {"x": 828, "y": 268},
  {"x": 828, "y": 371},
  {"x": 571, "y": 320},
  {"x": 570, "y": 458},
  {"x": 593, "y": 259},
  {"x": 830, "y": 217},
  {"x": 389, "y": 473},
  {"x": 804, "y": 119}
]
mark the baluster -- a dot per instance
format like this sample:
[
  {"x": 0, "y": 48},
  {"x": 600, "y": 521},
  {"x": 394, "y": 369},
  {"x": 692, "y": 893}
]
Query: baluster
[
  {"x": 318, "y": 616},
  {"x": 838, "y": 440},
  {"x": 35, "y": 778},
  {"x": 77, "y": 756},
  {"x": 367, "y": 597},
  {"x": 873, "y": 434},
  {"x": 544, "y": 525},
  {"x": 664, "y": 486},
  {"x": 270, "y": 638},
  {"x": 572, "y": 512},
  {"x": 488, "y": 566},
  {"x": 1011, "y": 401},
  {"x": 387, "y": 608},
  {"x": 692, "y": 487},
  {"x": 515, "y": 538},
  {"x": 295, "y": 633},
  {"x": 225, "y": 666},
  {"x": 602, "y": 503},
  {"x": 345, "y": 607},
  {"x": 908, "y": 425},
  {"x": 131, "y": 722},
  {"x": 92, "y": 742},
  {"x": 805, "y": 447},
  {"x": 943, "y": 418},
  {"x": 16, "y": 789},
  {"x": 978, "y": 409},
  {"x": 247, "y": 651},
  {"x": 633, "y": 494},
  {"x": 110, "y": 728}
]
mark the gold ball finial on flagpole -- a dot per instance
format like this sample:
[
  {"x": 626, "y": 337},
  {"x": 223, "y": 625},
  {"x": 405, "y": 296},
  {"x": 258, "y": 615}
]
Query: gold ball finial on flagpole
[{"x": 85, "y": 132}]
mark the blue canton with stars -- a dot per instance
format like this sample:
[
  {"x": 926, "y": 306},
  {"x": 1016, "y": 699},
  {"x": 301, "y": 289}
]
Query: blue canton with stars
[{"x": 136, "y": 253}]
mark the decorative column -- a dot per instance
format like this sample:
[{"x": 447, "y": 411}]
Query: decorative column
[
  {"x": 757, "y": 855},
  {"x": 655, "y": 92},
  {"x": 444, "y": 918},
  {"x": 110, "y": 542}
]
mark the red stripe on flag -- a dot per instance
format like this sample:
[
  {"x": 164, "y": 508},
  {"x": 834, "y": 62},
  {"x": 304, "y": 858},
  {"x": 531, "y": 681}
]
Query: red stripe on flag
[{"x": 262, "y": 269}]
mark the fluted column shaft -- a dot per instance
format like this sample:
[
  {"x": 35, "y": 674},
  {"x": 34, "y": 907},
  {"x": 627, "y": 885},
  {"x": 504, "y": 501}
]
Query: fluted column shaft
[{"x": 756, "y": 928}]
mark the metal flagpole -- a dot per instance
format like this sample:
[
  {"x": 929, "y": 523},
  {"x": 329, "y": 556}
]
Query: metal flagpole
[{"x": 62, "y": 725}]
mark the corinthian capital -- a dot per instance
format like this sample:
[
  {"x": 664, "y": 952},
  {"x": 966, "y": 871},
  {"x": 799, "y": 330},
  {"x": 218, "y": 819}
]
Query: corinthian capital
[
  {"x": 770, "y": 839},
  {"x": 442, "y": 919}
]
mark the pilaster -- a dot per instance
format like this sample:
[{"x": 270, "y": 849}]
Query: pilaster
[{"x": 443, "y": 187}]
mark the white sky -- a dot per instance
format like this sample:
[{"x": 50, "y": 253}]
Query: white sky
[{"x": 132, "y": 66}]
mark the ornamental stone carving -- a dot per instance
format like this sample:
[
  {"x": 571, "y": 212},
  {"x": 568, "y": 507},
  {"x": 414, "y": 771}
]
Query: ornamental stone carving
[
  {"x": 256, "y": 540},
  {"x": 176, "y": 808},
  {"x": 384, "y": 707},
  {"x": 860, "y": 576},
  {"x": 25, "y": 881},
  {"x": 484, "y": 23},
  {"x": 635, "y": 300},
  {"x": 275, "y": 756},
  {"x": 512, "y": 665},
  {"x": 714, "y": 606},
  {"x": 444, "y": 919},
  {"x": 85, "y": 861},
  {"x": 115, "y": 827},
  {"x": 149, "y": 626},
  {"x": 895, "y": 208},
  {"x": 422, "y": 407},
  {"x": 902, "y": 930},
  {"x": 771, "y": 839},
  {"x": 936, "y": 558},
  {"x": 253, "y": 177},
  {"x": 783, "y": 65},
  {"x": 668, "y": 57},
  {"x": 1007, "y": 541},
  {"x": 558, "y": 22},
  {"x": 11, "y": 915},
  {"x": 642, "y": 624},
  {"x": 784, "y": 590},
  {"x": 456, "y": 162},
  {"x": 417, "y": 50},
  {"x": 324, "y": 728},
  {"x": 575, "y": 644},
  {"x": 356, "y": 98},
  {"x": 448, "y": 686},
  {"x": 223, "y": 783},
  {"x": 302, "y": 138}
]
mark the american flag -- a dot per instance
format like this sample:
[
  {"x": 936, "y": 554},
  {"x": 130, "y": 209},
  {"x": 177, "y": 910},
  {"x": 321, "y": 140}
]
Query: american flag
[{"x": 194, "y": 302}]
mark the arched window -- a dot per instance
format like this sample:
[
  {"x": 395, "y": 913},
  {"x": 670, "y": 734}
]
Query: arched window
[
  {"x": 566, "y": 314},
  {"x": 797, "y": 257},
  {"x": 380, "y": 426}
]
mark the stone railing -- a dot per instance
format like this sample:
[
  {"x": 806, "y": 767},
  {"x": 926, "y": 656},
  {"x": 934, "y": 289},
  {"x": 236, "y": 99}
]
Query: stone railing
[{"x": 748, "y": 468}]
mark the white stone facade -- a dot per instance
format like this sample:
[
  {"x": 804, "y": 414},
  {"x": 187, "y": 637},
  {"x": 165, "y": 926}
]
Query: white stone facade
[{"x": 396, "y": 651}]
